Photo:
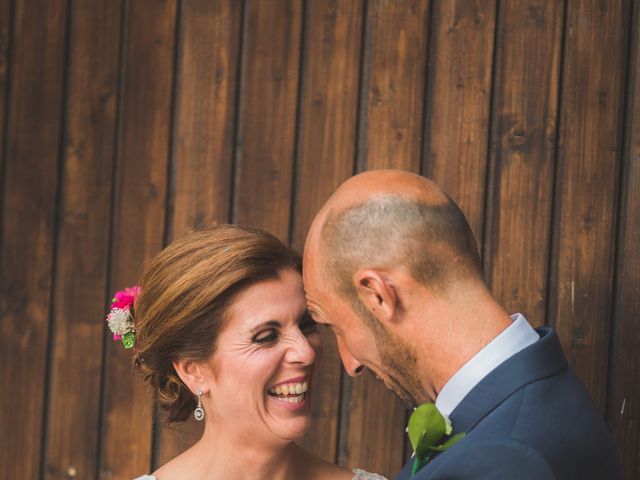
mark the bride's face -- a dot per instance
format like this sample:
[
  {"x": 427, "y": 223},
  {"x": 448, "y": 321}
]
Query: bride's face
[{"x": 264, "y": 363}]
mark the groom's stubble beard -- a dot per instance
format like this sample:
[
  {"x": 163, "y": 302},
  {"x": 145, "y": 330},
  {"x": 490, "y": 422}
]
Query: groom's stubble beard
[{"x": 401, "y": 374}]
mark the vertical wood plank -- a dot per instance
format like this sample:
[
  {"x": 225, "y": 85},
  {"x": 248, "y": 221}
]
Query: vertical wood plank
[
  {"x": 82, "y": 256},
  {"x": 268, "y": 106},
  {"x": 205, "y": 113},
  {"x": 138, "y": 220},
  {"x": 394, "y": 84},
  {"x": 523, "y": 141},
  {"x": 391, "y": 127},
  {"x": 586, "y": 185},
  {"x": 203, "y": 144},
  {"x": 326, "y": 152},
  {"x": 5, "y": 45},
  {"x": 458, "y": 102},
  {"x": 28, "y": 229},
  {"x": 623, "y": 413}
]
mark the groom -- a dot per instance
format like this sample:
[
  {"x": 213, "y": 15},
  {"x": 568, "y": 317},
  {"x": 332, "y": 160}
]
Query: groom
[{"x": 391, "y": 265}]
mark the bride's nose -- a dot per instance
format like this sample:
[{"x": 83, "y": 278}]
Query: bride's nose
[{"x": 300, "y": 350}]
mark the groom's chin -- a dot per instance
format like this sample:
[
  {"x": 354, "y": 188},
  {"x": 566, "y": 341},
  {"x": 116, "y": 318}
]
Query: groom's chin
[
  {"x": 396, "y": 387},
  {"x": 406, "y": 397}
]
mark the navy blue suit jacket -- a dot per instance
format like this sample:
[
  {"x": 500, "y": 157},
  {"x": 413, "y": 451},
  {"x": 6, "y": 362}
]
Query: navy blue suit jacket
[{"x": 530, "y": 418}]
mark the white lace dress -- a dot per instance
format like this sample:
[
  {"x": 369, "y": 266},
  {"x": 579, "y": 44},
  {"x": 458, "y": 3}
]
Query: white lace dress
[
  {"x": 357, "y": 475},
  {"x": 362, "y": 475}
]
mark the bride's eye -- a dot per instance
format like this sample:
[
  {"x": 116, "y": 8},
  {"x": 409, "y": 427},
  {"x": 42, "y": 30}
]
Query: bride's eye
[{"x": 265, "y": 337}]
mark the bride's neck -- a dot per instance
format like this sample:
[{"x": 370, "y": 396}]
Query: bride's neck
[{"x": 221, "y": 454}]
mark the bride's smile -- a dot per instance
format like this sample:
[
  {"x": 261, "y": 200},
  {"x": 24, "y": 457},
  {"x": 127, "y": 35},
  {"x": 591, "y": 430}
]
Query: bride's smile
[{"x": 293, "y": 392}]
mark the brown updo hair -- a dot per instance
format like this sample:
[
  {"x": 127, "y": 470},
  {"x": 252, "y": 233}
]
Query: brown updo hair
[{"x": 186, "y": 291}]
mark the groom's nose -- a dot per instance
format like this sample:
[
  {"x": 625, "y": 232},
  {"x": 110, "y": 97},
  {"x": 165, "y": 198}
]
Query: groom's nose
[{"x": 351, "y": 365}]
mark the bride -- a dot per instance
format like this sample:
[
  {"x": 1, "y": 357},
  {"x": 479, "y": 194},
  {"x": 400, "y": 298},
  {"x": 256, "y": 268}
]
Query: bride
[{"x": 221, "y": 332}]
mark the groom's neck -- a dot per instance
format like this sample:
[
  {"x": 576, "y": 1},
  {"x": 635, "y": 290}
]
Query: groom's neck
[{"x": 453, "y": 330}]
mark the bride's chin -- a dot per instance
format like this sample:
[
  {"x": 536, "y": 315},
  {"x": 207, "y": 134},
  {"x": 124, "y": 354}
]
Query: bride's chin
[
  {"x": 292, "y": 420},
  {"x": 299, "y": 429}
]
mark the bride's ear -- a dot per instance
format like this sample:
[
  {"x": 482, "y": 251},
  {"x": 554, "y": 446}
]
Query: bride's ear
[
  {"x": 191, "y": 373},
  {"x": 377, "y": 292}
]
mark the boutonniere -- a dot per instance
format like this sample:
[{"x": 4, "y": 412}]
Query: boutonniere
[{"x": 427, "y": 427}]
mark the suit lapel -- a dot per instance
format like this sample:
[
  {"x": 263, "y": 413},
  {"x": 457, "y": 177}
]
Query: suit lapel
[{"x": 539, "y": 360}]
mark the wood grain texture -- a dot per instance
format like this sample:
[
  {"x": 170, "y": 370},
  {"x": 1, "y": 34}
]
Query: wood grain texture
[
  {"x": 82, "y": 254},
  {"x": 274, "y": 103},
  {"x": 268, "y": 106},
  {"x": 329, "y": 101},
  {"x": 326, "y": 152},
  {"x": 28, "y": 230},
  {"x": 205, "y": 113},
  {"x": 203, "y": 144},
  {"x": 394, "y": 84},
  {"x": 138, "y": 221},
  {"x": 458, "y": 101},
  {"x": 522, "y": 151},
  {"x": 623, "y": 412},
  {"x": 6, "y": 22},
  {"x": 587, "y": 173},
  {"x": 376, "y": 428}
]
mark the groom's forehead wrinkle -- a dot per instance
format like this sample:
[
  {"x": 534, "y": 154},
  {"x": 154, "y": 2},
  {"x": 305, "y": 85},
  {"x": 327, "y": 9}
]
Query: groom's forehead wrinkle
[
  {"x": 314, "y": 314},
  {"x": 313, "y": 310}
]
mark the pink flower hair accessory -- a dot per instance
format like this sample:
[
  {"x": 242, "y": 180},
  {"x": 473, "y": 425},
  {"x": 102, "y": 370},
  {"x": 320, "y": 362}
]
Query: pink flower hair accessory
[{"x": 120, "y": 317}]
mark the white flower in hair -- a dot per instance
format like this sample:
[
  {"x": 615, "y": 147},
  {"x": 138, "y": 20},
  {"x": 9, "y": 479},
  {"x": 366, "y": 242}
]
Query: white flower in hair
[{"x": 120, "y": 321}]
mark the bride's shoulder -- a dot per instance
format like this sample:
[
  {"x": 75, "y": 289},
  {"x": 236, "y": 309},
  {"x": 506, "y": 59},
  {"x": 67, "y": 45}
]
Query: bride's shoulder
[
  {"x": 174, "y": 468},
  {"x": 319, "y": 469},
  {"x": 316, "y": 468}
]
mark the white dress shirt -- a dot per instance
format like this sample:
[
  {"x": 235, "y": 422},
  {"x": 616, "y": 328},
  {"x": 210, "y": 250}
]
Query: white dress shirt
[{"x": 516, "y": 337}]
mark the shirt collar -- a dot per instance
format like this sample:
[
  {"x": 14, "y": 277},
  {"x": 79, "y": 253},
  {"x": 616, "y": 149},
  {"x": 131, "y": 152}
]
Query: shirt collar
[{"x": 514, "y": 338}]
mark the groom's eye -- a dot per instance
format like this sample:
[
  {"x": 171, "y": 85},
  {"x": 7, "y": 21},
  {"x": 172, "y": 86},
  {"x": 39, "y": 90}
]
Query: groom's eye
[{"x": 308, "y": 325}]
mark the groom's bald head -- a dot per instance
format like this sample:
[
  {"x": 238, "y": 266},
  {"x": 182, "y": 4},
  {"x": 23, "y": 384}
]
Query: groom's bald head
[{"x": 387, "y": 218}]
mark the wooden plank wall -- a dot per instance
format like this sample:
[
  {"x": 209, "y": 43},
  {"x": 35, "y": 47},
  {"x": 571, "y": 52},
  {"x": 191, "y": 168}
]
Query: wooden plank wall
[{"x": 126, "y": 122}]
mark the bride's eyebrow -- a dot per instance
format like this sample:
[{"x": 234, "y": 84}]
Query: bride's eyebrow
[{"x": 267, "y": 324}]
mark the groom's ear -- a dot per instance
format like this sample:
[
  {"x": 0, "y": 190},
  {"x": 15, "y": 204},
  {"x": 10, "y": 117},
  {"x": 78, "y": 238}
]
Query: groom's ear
[{"x": 378, "y": 293}]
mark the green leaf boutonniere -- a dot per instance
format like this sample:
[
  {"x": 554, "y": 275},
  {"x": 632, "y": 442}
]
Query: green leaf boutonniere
[{"x": 426, "y": 428}]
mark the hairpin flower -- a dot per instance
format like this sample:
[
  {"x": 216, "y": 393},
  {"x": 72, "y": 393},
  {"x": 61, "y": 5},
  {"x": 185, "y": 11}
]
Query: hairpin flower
[
  {"x": 427, "y": 428},
  {"x": 120, "y": 317}
]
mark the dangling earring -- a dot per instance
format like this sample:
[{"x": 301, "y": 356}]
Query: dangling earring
[{"x": 198, "y": 413}]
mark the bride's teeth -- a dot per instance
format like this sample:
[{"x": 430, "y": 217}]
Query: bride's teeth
[
  {"x": 290, "y": 389},
  {"x": 297, "y": 399}
]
